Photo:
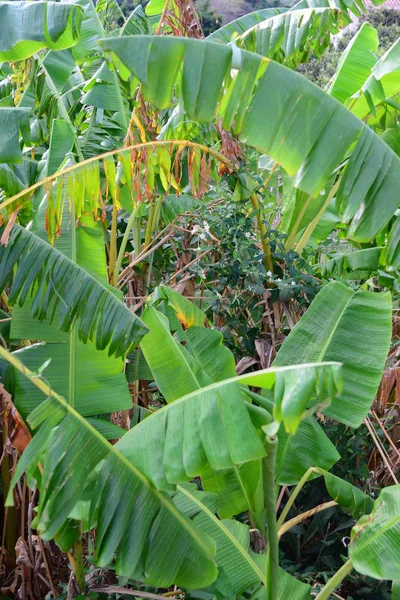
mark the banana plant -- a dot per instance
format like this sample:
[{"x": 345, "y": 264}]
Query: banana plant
[
  {"x": 239, "y": 488},
  {"x": 312, "y": 201},
  {"x": 67, "y": 446},
  {"x": 192, "y": 434},
  {"x": 239, "y": 97},
  {"x": 70, "y": 449}
]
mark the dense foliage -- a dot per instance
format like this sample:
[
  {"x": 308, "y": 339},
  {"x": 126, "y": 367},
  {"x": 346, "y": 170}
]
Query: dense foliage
[{"x": 199, "y": 275}]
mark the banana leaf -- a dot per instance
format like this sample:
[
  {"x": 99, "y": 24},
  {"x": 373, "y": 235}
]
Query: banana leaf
[
  {"x": 308, "y": 132},
  {"x": 135, "y": 523},
  {"x": 27, "y": 27},
  {"x": 375, "y": 538},
  {"x": 339, "y": 325}
]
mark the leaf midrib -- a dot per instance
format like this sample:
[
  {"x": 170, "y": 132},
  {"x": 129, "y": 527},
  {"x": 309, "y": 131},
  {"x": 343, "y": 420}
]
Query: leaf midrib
[
  {"x": 333, "y": 331},
  {"x": 226, "y": 532}
]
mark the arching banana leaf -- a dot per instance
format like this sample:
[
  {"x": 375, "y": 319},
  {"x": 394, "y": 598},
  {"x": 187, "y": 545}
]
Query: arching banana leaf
[
  {"x": 87, "y": 378},
  {"x": 102, "y": 91},
  {"x": 110, "y": 13},
  {"x": 200, "y": 430},
  {"x": 241, "y": 485},
  {"x": 151, "y": 539},
  {"x": 61, "y": 143},
  {"x": 27, "y": 27},
  {"x": 361, "y": 81},
  {"x": 137, "y": 23},
  {"x": 238, "y": 489},
  {"x": 309, "y": 133},
  {"x": 239, "y": 26},
  {"x": 309, "y": 447},
  {"x": 353, "y": 500},
  {"x": 87, "y": 48},
  {"x": 15, "y": 178},
  {"x": 166, "y": 357},
  {"x": 382, "y": 84},
  {"x": 31, "y": 265}
]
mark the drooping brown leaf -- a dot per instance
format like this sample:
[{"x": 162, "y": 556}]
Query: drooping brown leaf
[
  {"x": 17, "y": 433},
  {"x": 7, "y": 230}
]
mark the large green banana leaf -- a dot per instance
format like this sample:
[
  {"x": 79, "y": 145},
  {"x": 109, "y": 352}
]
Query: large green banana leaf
[
  {"x": 61, "y": 142},
  {"x": 355, "y": 64},
  {"x": 276, "y": 111},
  {"x": 206, "y": 345},
  {"x": 59, "y": 65},
  {"x": 242, "y": 488},
  {"x": 201, "y": 430},
  {"x": 188, "y": 314},
  {"x": 90, "y": 380},
  {"x": 13, "y": 181},
  {"x": 139, "y": 525},
  {"x": 174, "y": 369},
  {"x": 239, "y": 568},
  {"x": 109, "y": 13},
  {"x": 27, "y": 27},
  {"x": 353, "y": 328},
  {"x": 87, "y": 47},
  {"x": 389, "y": 63},
  {"x": 101, "y": 90},
  {"x": 33, "y": 266},
  {"x": 375, "y": 539},
  {"x": 137, "y": 23},
  {"x": 238, "y": 489}
]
